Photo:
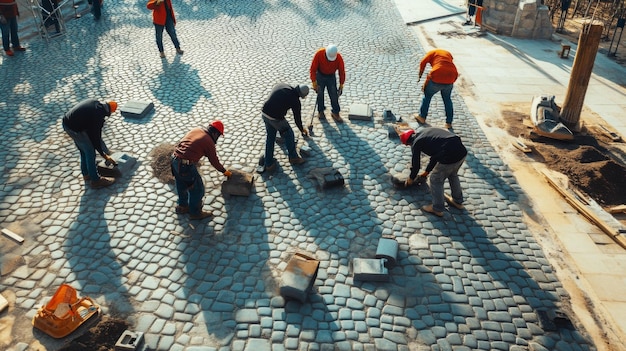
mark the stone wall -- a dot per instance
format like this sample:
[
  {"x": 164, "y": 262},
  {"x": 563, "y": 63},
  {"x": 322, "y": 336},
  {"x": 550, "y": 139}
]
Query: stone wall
[{"x": 517, "y": 18}]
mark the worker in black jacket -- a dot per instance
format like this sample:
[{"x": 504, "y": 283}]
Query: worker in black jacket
[
  {"x": 282, "y": 99},
  {"x": 83, "y": 123},
  {"x": 447, "y": 154}
]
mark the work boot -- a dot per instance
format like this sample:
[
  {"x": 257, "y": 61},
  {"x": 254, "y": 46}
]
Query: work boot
[
  {"x": 270, "y": 168},
  {"x": 9, "y": 52},
  {"x": 162, "y": 54},
  {"x": 336, "y": 117},
  {"x": 419, "y": 119},
  {"x": 102, "y": 182},
  {"x": 448, "y": 125},
  {"x": 201, "y": 215},
  {"x": 19, "y": 48},
  {"x": 180, "y": 51},
  {"x": 86, "y": 177},
  {"x": 297, "y": 161},
  {"x": 430, "y": 209},
  {"x": 182, "y": 209},
  {"x": 453, "y": 203},
  {"x": 321, "y": 116}
]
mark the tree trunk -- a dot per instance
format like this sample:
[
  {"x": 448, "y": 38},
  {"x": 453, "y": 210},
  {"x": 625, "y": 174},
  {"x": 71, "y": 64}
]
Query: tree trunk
[{"x": 586, "y": 51}]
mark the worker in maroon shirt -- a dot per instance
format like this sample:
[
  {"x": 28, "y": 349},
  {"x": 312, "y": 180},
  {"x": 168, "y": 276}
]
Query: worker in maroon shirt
[{"x": 197, "y": 143}]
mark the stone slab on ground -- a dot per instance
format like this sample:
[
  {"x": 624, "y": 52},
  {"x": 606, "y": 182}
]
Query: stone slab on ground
[
  {"x": 125, "y": 164},
  {"x": 370, "y": 269},
  {"x": 327, "y": 177},
  {"x": 239, "y": 184},
  {"x": 136, "y": 109},
  {"x": 361, "y": 112},
  {"x": 299, "y": 277},
  {"x": 129, "y": 341}
]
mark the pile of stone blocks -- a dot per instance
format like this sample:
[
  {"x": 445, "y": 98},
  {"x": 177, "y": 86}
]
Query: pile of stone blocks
[
  {"x": 299, "y": 277},
  {"x": 377, "y": 269}
]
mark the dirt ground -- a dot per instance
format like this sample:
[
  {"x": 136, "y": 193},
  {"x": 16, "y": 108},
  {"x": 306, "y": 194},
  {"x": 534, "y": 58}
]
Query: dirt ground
[{"x": 101, "y": 337}]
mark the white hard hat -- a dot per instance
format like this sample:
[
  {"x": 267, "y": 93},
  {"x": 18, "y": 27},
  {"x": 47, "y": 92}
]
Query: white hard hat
[
  {"x": 303, "y": 90},
  {"x": 331, "y": 52}
]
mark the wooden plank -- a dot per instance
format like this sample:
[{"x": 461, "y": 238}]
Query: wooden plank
[
  {"x": 617, "y": 209},
  {"x": 519, "y": 144},
  {"x": 12, "y": 235},
  {"x": 3, "y": 303},
  {"x": 610, "y": 134},
  {"x": 585, "y": 211}
]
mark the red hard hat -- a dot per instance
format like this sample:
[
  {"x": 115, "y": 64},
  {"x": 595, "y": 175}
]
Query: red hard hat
[
  {"x": 219, "y": 126},
  {"x": 404, "y": 137}
]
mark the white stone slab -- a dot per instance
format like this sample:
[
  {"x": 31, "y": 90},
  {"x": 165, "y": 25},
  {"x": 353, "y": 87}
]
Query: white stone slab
[
  {"x": 360, "y": 112},
  {"x": 370, "y": 269}
]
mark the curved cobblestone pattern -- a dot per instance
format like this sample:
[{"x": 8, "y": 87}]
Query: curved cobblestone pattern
[{"x": 475, "y": 279}]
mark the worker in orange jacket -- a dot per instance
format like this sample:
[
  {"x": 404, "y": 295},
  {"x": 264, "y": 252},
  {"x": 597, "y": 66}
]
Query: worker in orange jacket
[
  {"x": 163, "y": 18},
  {"x": 326, "y": 62},
  {"x": 441, "y": 78}
]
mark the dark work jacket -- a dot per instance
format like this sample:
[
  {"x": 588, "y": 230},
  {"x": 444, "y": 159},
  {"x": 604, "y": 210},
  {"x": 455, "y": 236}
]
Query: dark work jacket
[
  {"x": 88, "y": 116},
  {"x": 438, "y": 143},
  {"x": 282, "y": 98}
]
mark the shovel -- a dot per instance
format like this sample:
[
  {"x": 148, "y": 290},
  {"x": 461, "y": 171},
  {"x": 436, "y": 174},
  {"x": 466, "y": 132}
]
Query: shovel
[{"x": 312, "y": 116}]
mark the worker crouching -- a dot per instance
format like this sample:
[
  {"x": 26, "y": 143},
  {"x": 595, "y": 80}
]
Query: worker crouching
[
  {"x": 197, "y": 143},
  {"x": 447, "y": 154}
]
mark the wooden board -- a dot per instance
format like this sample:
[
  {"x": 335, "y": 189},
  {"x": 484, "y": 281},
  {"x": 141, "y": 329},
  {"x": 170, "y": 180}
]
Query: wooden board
[
  {"x": 3, "y": 303},
  {"x": 12, "y": 235}
]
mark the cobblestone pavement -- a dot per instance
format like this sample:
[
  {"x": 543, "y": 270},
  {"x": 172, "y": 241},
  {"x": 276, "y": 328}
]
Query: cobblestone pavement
[{"x": 475, "y": 279}]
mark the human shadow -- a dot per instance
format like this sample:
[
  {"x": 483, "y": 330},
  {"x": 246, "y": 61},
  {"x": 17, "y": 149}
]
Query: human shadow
[
  {"x": 93, "y": 257},
  {"x": 175, "y": 78}
]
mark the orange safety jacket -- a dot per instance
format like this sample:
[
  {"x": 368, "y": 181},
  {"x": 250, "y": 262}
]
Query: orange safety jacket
[
  {"x": 159, "y": 11},
  {"x": 443, "y": 69},
  {"x": 320, "y": 63}
]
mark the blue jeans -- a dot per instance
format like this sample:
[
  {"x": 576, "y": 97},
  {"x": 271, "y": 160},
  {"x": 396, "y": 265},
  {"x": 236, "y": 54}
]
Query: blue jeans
[
  {"x": 189, "y": 185},
  {"x": 9, "y": 34},
  {"x": 431, "y": 89},
  {"x": 282, "y": 126},
  {"x": 328, "y": 82},
  {"x": 439, "y": 174},
  {"x": 87, "y": 153},
  {"x": 96, "y": 8},
  {"x": 170, "y": 29}
]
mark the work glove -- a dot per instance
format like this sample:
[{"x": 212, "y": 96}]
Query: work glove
[
  {"x": 315, "y": 87},
  {"x": 340, "y": 91},
  {"x": 228, "y": 173},
  {"x": 108, "y": 160},
  {"x": 408, "y": 182},
  {"x": 422, "y": 178}
]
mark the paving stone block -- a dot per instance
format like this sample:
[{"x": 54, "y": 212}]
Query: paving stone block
[
  {"x": 239, "y": 184},
  {"x": 3, "y": 303},
  {"x": 387, "y": 249},
  {"x": 361, "y": 112},
  {"x": 370, "y": 269},
  {"x": 299, "y": 277},
  {"x": 125, "y": 164},
  {"x": 327, "y": 177},
  {"x": 136, "y": 109},
  {"x": 129, "y": 340}
]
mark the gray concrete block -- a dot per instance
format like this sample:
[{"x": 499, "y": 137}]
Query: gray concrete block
[
  {"x": 370, "y": 269},
  {"x": 125, "y": 164},
  {"x": 129, "y": 341},
  {"x": 360, "y": 112},
  {"x": 299, "y": 277},
  {"x": 136, "y": 109},
  {"x": 387, "y": 249}
]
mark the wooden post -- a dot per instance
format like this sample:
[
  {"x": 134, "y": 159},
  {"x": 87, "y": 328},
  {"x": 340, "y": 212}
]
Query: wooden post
[{"x": 586, "y": 51}]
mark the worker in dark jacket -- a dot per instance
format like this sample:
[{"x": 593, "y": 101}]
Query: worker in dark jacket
[
  {"x": 199, "y": 142},
  {"x": 83, "y": 123},
  {"x": 447, "y": 154},
  {"x": 283, "y": 98}
]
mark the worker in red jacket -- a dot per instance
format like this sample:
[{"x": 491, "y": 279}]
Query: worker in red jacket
[
  {"x": 8, "y": 24},
  {"x": 441, "y": 78},
  {"x": 326, "y": 62},
  {"x": 163, "y": 18},
  {"x": 197, "y": 143}
]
